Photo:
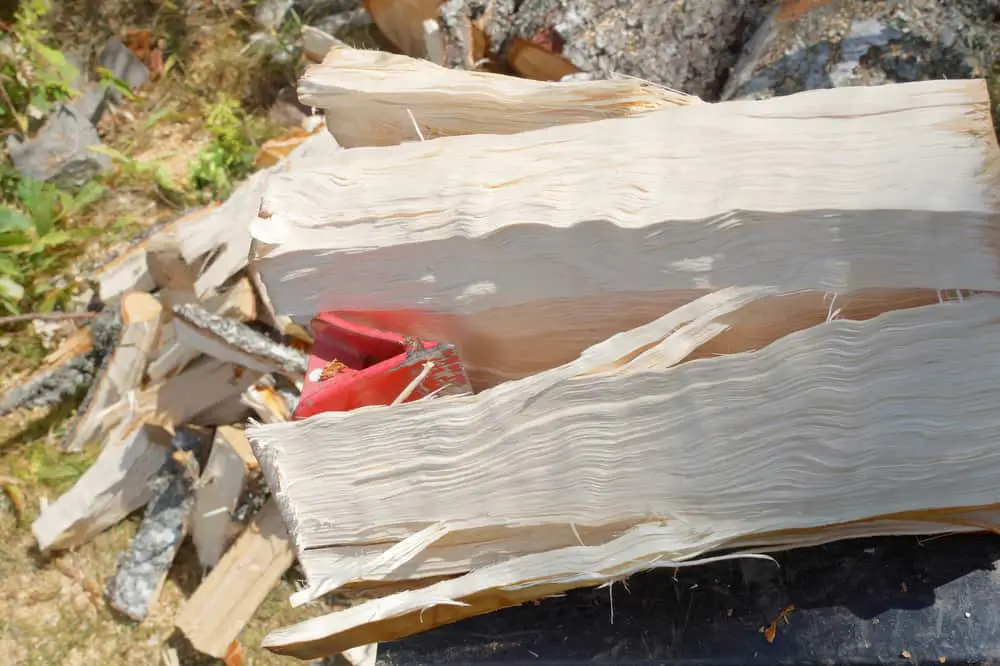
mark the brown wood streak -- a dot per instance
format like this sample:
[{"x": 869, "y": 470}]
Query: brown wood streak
[{"x": 789, "y": 10}]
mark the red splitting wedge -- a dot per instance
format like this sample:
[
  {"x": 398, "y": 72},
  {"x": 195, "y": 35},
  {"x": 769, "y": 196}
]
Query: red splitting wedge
[{"x": 353, "y": 366}]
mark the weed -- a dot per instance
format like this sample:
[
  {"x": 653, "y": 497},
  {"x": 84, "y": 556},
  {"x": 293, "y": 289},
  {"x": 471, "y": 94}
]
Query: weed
[
  {"x": 34, "y": 239},
  {"x": 144, "y": 174},
  {"x": 33, "y": 76},
  {"x": 230, "y": 155}
]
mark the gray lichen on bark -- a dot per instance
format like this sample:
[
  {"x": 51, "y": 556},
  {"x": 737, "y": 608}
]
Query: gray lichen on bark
[
  {"x": 855, "y": 42},
  {"x": 143, "y": 566},
  {"x": 65, "y": 381},
  {"x": 689, "y": 46},
  {"x": 241, "y": 337}
]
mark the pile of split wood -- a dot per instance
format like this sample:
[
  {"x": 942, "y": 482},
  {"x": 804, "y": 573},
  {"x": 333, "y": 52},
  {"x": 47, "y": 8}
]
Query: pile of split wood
[{"x": 692, "y": 330}]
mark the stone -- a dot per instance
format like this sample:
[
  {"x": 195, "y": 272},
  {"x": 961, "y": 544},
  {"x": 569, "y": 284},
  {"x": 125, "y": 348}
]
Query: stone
[
  {"x": 91, "y": 103},
  {"x": 123, "y": 64},
  {"x": 804, "y": 45},
  {"x": 686, "y": 45},
  {"x": 59, "y": 152}
]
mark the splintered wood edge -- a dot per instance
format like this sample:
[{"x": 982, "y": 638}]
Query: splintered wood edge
[
  {"x": 115, "y": 485},
  {"x": 228, "y": 597},
  {"x": 122, "y": 371}
]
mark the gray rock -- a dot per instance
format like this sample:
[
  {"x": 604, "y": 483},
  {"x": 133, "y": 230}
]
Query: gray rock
[
  {"x": 59, "y": 152},
  {"x": 687, "y": 45},
  {"x": 122, "y": 63},
  {"x": 857, "y": 42},
  {"x": 91, "y": 103}
]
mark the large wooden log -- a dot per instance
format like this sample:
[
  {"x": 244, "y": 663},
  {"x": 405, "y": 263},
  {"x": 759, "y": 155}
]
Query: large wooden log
[
  {"x": 373, "y": 98},
  {"x": 328, "y": 547},
  {"x": 850, "y": 427},
  {"x": 523, "y": 249}
]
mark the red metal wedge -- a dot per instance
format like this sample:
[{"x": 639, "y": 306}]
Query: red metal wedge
[{"x": 353, "y": 366}]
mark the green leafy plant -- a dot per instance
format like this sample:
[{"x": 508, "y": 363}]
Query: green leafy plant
[
  {"x": 230, "y": 155},
  {"x": 33, "y": 75},
  {"x": 34, "y": 240}
]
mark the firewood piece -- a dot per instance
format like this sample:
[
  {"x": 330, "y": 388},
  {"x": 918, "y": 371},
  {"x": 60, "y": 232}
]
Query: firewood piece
[
  {"x": 144, "y": 565},
  {"x": 129, "y": 271},
  {"x": 122, "y": 371},
  {"x": 113, "y": 487},
  {"x": 401, "y": 21},
  {"x": 222, "y": 483},
  {"x": 316, "y": 43},
  {"x": 509, "y": 257},
  {"x": 689, "y": 455},
  {"x": 228, "y": 340},
  {"x": 228, "y": 597},
  {"x": 51, "y": 386},
  {"x": 369, "y": 97},
  {"x": 239, "y": 302},
  {"x": 186, "y": 395},
  {"x": 305, "y": 470},
  {"x": 533, "y": 61}
]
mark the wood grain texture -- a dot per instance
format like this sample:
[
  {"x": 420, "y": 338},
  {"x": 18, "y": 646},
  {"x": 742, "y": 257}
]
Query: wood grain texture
[
  {"x": 831, "y": 190},
  {"x": 366, "y": 96},
  {"x": 734, "y": 445},
  {"x": 221, "y": 606},
  {"x": 843, "y": 429}
]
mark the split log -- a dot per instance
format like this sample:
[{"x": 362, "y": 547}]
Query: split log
[
  {"x": 229, "y": 467},
  {"x": 758, "y": 448},
  {"x": 373, "y": 99},
  {"x": 228, "y": 597},
  {"x": 143, "y": 567},
  {"x": 64, "y": 379},
  {"x": 239, "y": 303},
  {"x": 228, "y": 340},
  {"x": 116, "y": 484},
  {"x": 129, "y": 271},
  {"x": 123, "y": 369},
  {"x": 533, "y": 61},
  {"x": 186, "y": 395},
  {"x": 530, "y": 265}
]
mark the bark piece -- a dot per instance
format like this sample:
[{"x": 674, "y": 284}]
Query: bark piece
[
  {"x": 369, "y": 97},
  {"x": 122, "y": 371},
  {"x": 729, "y": 464},
  {"x": 807, "y": 45},
  {"x": 228, "y": 597},
  {"x": 690, "y": 46},
  {"x": 116, "y": 484},
  {"x": 144, "y": 565},
  {"x": 229, "y": 467},
  {"x": 532, "y": 260},
  {"x": 51, "y": 386},
  {"x": 228, "y": 340}
]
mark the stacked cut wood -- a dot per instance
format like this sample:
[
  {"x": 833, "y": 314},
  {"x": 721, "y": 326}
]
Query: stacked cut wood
[{"x": 695, "y": 331}]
